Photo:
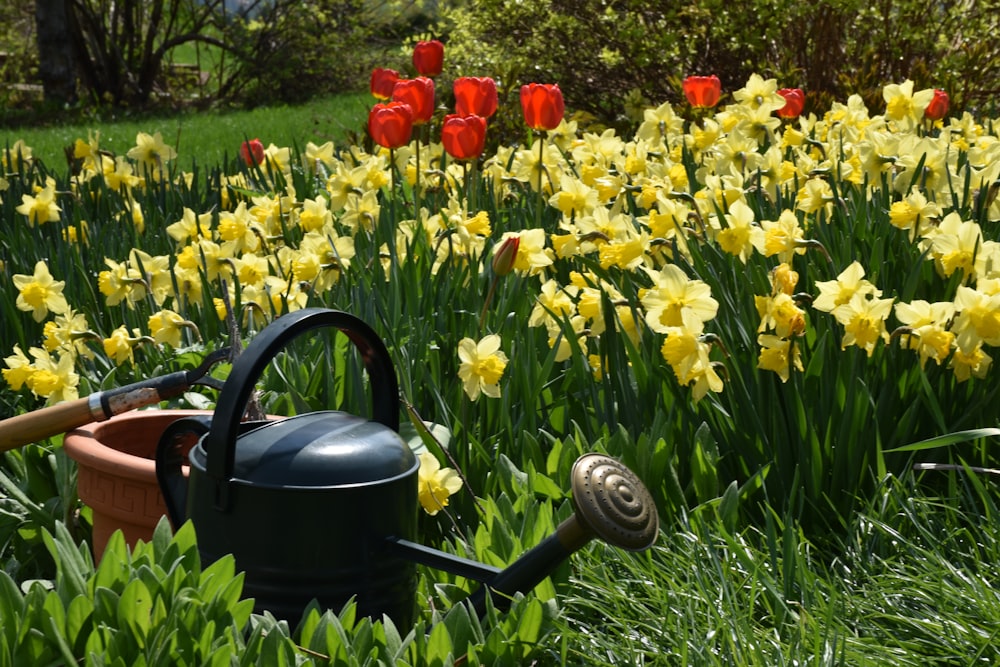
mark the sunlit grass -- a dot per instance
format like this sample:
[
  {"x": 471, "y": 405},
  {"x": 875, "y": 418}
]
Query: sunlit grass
[{"x": 205, "y": 138}]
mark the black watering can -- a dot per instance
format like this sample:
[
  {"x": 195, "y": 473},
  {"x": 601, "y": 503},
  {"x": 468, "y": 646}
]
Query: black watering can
[{"x": 323, "y": 505}]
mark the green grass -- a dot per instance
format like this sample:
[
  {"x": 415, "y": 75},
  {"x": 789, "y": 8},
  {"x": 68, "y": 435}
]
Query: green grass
[
  {"x": 206, "y": 138},
  {"x": 912, "y": 582}
]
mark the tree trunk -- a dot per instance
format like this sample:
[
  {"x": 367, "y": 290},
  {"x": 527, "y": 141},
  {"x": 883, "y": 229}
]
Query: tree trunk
[{"x": 56, "y": 65}]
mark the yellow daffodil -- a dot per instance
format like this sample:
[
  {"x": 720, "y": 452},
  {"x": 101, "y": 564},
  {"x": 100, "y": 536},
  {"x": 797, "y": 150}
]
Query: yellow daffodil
[
  {"x": 780, "y": 313},
  {"x": 316, "y": 156},
  {"x": 779, "y": 355},
  {"x": 741, "y": 234},
  {"x": 926, "y": 325},
  {"x": 977, "y": 320},
  {"x": 532, "y": 255},
  {"x": 190, "y": 227},
  {"x": 237, "y": 231},
  {"x": 833, "y": 293},
  {"x": 954, "y": 244},
  {"x": 783, "y": 279},
  {"x": 553, "y": 303},
  {"x": 904, "y": 106},
  {"x": 69, "y": 333},
  {"x": 435, "y": 484},
  {"x": 167, "y": 327},
  {"x": 673, "y": 296},
  {"x": 40, "y": 293},
  {"x": 19, "y": 369},
  {"x": 40, "y": 208},
  {"x": 574, "y": 198},
  {"x": 559, "y": 338},
  {"x": 688, "y": 357},
  {"x": 18, "y": 154},
  {"x": 974, "y": 363},
  {"x": 914, "y": 214},
  {"x": 482, "y": 366},
  {"x": 660, "y": 123},
  {"x": 121, "y": 177},
  {"x": 626, "y": 254},
  {"x": 815, "y": 195},
  {"x": 53, "y": 379},
  {"x": 314, "y": 215},
  {"x": 151, "y": 153},
  {"x": 119, "y": 345},
  {"x": 864, "y": 321},
  {"x": 782, "y": 237},
  {"x": 759, "y": 92},
  {"x": 361, "y": 211}
]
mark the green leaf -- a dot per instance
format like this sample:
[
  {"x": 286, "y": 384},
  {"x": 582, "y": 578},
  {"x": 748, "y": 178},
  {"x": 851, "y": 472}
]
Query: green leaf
[
  {"x": 729, "y": 506},
  {"x": 423, "y": 435},
  {"x": 135, "y": 609},
  {"x": 439, "y": 646},
  {"x": 11, "y": 606},
  {"x": 529, "y": 622},
  {"x": 704, "y": 460},
  {"x": 947, "y": 440},
  {"x": 71, "y": 562}
]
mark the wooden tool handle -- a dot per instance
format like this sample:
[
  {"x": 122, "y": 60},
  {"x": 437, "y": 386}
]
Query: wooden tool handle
[
  {"x": 44, "y": 423},
  {"x": 55, "y": 419}
]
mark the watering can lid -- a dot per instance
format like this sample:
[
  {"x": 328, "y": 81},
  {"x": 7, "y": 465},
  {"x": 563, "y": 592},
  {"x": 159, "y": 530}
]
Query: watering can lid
[{"x": 319, "y": 449}]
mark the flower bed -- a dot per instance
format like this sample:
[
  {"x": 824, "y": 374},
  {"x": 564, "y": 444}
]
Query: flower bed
[{"x": 783, "y": 298}]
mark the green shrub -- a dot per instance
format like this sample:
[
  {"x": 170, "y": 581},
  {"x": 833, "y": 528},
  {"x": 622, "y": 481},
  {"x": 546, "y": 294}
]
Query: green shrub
[{"x": 602, "y": 53}]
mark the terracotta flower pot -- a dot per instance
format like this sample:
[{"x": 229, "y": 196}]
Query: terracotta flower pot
[{"x": 116, "y": 461}]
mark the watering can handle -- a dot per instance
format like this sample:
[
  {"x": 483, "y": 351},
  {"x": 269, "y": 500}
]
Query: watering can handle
[
  {"x": 171, "y": 454},
  {"x": 220, "y": 442}
]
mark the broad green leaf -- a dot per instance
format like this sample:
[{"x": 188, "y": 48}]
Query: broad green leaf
[
  {"x": 529, "y": 622},
  {"x": 135, "y": 609},
  {"x": 11, "y": 606},
  {"x": 439, "y": 646},
  {"x": 459, "y": 628}
]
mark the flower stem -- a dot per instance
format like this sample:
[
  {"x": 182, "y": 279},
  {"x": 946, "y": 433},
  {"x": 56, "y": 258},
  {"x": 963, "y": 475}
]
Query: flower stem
[
  {"x": 486, "y": 303},
  {"x": 541, "y": 167}
]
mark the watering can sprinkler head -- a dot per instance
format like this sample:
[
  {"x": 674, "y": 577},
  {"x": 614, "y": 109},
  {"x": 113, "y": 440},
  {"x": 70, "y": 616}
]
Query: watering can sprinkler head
[{"x": 610, "y": 503}]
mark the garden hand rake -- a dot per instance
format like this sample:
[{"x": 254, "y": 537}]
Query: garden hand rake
[{"x": 99, "y": 406}]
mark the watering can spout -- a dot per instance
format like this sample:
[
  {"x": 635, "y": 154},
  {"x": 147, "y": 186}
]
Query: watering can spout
[{"x": 610, "y": 503}]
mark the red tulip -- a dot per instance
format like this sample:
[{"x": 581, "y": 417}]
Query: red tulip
[
  {"x": 382, "y": 82},
  {"x": 703, "y": 92},
  {"x": 475, "y": 96},
  {"x": 542, "y": 104},
  {"x": 938, "y": 106},
  {"x": 252, "y": 152},
  {"x": 419, "y": 95},
  {"x": 390, "y": 124},
  {"x": 463, "y": 136},
  {"x": 428, "y": 58},
  {"x": 795, "y": 100}
]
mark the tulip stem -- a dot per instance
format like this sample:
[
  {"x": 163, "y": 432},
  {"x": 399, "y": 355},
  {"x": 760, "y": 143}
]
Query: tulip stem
[
  {"x": 489, "y": 298},
  {"x": 416, "y": 180},
  {"x": 541, "y": 171},
  {"x": 471, "y": 185}
]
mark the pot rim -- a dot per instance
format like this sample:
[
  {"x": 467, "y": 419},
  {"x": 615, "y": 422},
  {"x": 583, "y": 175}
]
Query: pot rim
[{"x": 84, "y": 446}]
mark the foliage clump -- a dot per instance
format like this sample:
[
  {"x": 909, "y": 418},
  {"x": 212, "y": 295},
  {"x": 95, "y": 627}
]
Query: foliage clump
[{"x": 602, "y": 53}]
